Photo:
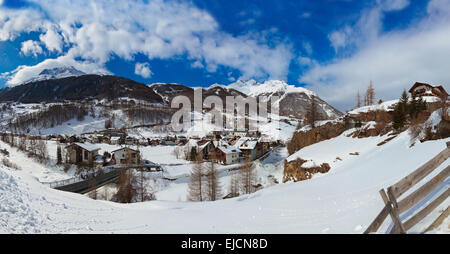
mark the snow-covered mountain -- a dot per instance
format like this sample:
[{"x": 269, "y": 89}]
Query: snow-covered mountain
[
  {"x": 294, "y": 101},
  {"x": 57, "y": 73},
  {"x": 269, "y": 87}
]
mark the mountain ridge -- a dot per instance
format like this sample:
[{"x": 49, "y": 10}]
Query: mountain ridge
[{"x": 294, "y": 101}]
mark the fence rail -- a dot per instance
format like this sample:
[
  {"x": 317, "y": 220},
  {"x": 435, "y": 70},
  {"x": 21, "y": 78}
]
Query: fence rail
[{"x": 395, "y": 207}]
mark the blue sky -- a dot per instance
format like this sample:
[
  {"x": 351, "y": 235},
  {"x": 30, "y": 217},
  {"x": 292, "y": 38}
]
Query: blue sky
[{"x": 333, "y": 47}]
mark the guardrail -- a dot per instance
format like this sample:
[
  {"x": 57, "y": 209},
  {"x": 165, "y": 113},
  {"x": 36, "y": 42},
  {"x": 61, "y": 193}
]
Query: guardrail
[
  {"x": 79, "y": 178},
  {"x": 105, "y": 170},
  {"x": 394, "y": 207}
]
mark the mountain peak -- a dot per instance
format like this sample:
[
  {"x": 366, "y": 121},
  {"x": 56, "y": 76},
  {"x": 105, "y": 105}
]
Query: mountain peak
[
  {"x": 56, "y": 73},
  {"x": 61, "y": 72},
  {"x": 253, "y": 88}
]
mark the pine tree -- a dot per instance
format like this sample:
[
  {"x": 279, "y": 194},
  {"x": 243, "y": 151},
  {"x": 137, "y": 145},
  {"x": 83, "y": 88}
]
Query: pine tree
[
  {"x": 58, "y": 155},
  {"x": 401, "y": 110},
  {"x": 416, "y": 106}
]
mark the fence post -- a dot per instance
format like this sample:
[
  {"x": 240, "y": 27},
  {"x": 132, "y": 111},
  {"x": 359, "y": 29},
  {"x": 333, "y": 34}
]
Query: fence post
[{"x": 393, "y": 212}]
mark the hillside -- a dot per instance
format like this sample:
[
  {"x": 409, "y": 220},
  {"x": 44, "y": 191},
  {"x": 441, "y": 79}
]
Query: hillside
[
  {"x": 79, "y": 88},
  {"x": 54, "y": 85},
  {"x": 343, "y": 201}
]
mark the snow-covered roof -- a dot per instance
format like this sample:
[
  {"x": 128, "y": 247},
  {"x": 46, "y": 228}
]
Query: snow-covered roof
[
  {"x": 246, "y": 143},
  {"x": 87, "y": 146},
  {"x": 203, "y": 145},
  {"x": 229, "y": 149},
  {"x": 124, "y": 148},
  {"x": 115, "y": 138}
]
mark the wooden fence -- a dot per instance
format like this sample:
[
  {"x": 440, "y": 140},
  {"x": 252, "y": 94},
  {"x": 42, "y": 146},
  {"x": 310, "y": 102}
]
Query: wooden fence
[{"x": 395, "y": 207}]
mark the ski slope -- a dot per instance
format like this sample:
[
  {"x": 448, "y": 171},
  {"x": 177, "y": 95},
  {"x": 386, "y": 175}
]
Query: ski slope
[{"x": 345, "y": 200}]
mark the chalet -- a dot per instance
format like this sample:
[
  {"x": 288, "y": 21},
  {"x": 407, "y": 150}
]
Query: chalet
[
  {"x": 181, "y": 140},
  {"x": 154, "y": 142},
  {"x": 424, "y": 89},
  {"x": 249, "y": 147},
  {"x": 73, "y": 139},
  {"x": 106, "y": 140},
  {"x": 265, "y": 143},
  {"x": 114, "y": 132},
  {"x": 126, "y": 155},
  {"x": 143, "y": 142},
  {"x": 81, "y": 153},
  {"x": 115, "y": 140},
  {"x": 225, "y": 153},
  {"x": 169, "y": 141},
  {"x": 130, "y": 140},
  {"x": 201, "y": 147}
]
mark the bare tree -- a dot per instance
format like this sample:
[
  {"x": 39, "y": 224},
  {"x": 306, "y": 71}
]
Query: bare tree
[
  {"x": 126, "y": 187},
  {"x": 213, "y": 187},
  {"x": 369, "y": 97},
  {"x": 142, "y": 183},
  {"x": 196, "y": 182},
  {"x": 358, "y": 100},
  {"x": 248, "y": 177},
  {"x": 93, "y": 186},
  {"x": 234, "y": 184}
]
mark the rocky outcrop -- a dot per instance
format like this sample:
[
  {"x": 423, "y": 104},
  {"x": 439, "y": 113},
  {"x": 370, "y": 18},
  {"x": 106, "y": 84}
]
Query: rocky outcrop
[
  {"x": 302, "y": 139},
  {"x": 293, "y": 171}
]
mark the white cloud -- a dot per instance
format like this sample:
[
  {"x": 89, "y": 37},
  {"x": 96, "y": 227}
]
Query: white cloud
[
  {"x": 31, "y": 48},
  {"x": 307, "y": 48},
  {"x": 24, "y": 72},
  {"x": 143, "y": 70},
  {"x": 305, "y": 15},
  {"x": 93, "y": 31},
  {"x": 15, "y": 21},
  {"x": 365, "y": 30},
  {"x": 393, "y": 5},
  {"x": 52, "y": 40},
  {"x": 394, "y": 61}
]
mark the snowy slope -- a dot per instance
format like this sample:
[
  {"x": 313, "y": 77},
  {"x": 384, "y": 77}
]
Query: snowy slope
[{"x": 345, "y": 200}]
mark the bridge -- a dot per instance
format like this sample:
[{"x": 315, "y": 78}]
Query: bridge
[{"x": 87, "y": 182}]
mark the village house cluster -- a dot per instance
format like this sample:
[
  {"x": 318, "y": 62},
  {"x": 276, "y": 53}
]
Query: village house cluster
[
  {"x": 228, "y": 147},
  {"x": 224, "y": 147}
]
